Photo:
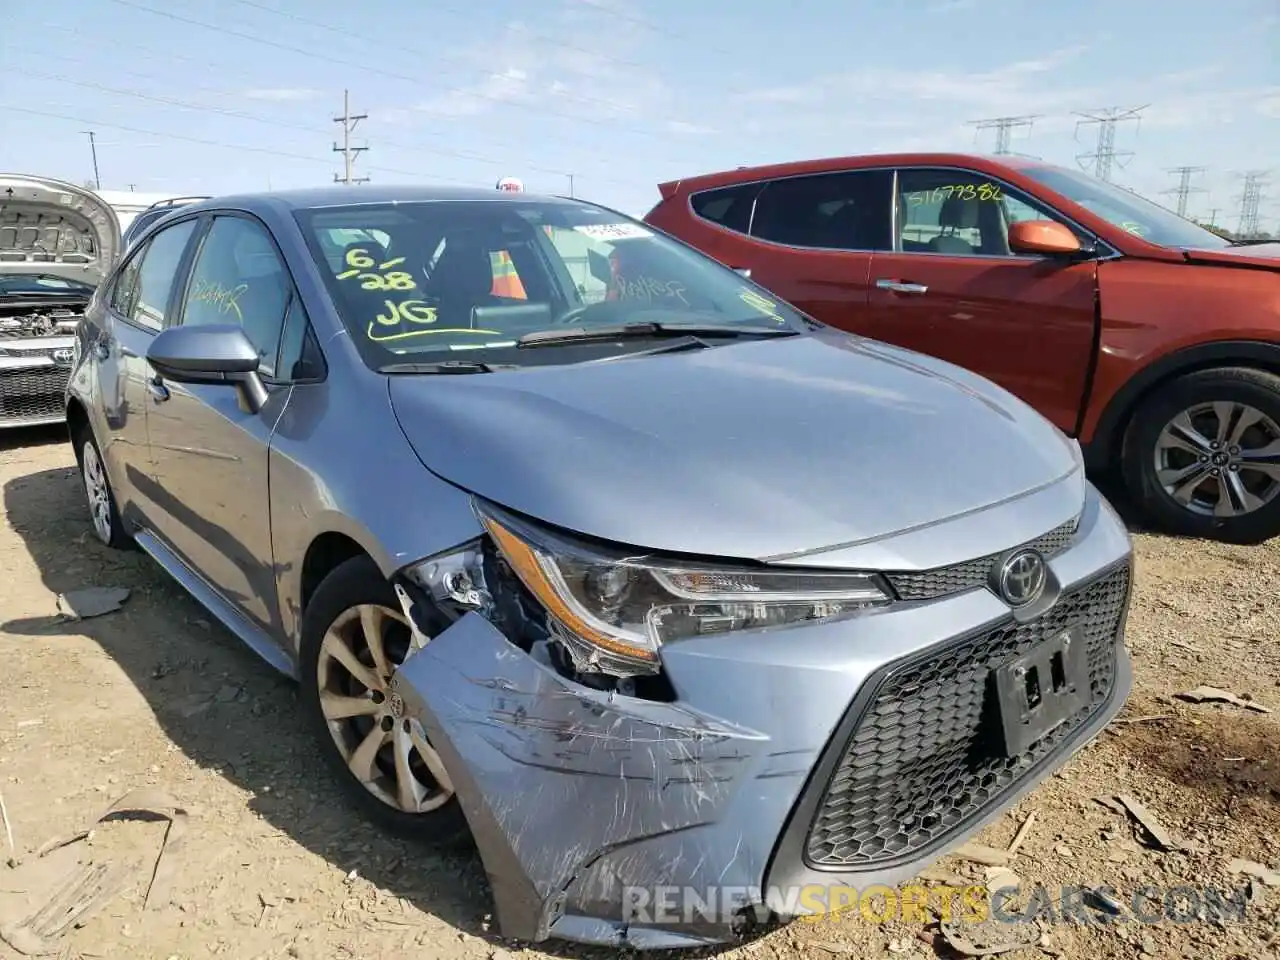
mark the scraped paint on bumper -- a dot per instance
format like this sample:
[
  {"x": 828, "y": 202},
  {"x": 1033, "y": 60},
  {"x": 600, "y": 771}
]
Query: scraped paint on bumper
[{"x": 579, "y": 798}]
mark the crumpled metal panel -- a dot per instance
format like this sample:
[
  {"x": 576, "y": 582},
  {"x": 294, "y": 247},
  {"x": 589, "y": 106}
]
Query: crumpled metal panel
[{"x": 552, "y": 776}]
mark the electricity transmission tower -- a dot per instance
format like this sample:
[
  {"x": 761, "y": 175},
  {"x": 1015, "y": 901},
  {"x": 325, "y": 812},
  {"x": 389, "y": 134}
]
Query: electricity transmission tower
[
  {"x": 1251, "y": 202},
  {"x": 1184, "y": 189},
  {"x": 1004, "y": 127},
  {"x": 1105, "y": 154},
  {"x": 349, "y": 153}
]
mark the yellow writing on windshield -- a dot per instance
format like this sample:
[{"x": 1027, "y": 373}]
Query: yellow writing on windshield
[
  {"x": 961, "y": 191},
  {"x": 762, "y": 304},
  {"x": 225, "y": 299},
  {"x": 376, "y": 276},
  {"x": 418, "y": 315}
]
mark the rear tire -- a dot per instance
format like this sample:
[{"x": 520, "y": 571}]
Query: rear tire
[
  {"x": 103, "y": 512},
  {"x": 1201, "y": 455},
  {"x": 382, "y": 760}
]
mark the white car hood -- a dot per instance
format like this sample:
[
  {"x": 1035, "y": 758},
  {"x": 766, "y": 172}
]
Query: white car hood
[{"x": 55, "y": 228}]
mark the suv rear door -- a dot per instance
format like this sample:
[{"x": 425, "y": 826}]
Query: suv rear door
[{"x": 808, "y": 238}]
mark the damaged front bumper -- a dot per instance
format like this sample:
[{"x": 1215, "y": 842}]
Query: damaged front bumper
[{"x": 850, "y": 752}]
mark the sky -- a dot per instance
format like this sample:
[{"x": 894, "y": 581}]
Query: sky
[{"x": 611, "y": 97}]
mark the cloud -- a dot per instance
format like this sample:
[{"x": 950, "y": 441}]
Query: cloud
[
  {"x": 561, "y": 66},
  {"x": 282, "y": 94}
]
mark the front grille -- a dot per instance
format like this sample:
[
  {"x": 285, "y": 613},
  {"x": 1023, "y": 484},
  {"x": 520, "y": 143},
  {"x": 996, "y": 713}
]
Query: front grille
[
  {"x": 969, "y": 574},
  {"x": 928, "y": 754},
  {"x": 35, "y": 394}
]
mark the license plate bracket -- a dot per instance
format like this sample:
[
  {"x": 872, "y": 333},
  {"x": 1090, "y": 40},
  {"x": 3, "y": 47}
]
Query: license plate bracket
[{"x": 1041, "y": 689}]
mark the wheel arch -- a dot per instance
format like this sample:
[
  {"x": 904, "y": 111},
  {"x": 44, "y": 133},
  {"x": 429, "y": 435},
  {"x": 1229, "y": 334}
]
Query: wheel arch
[
  {"x": 1104, "y": 448},
  {"x": 326, "y": 552},
  {"x": 77, "y": 420}
]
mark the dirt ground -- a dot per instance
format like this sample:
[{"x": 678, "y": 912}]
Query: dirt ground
[{"x": 274, "y": 866}]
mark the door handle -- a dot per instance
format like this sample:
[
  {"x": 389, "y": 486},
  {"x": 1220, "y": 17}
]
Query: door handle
[
  {"x": 159, "y": 392},
  {"x": 901, "y": 286}
]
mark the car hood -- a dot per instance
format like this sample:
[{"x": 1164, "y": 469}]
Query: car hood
[
  {"x": 753, "y": 450},
  {"x": 1264, "y": 255},
  {"x": 55, "y": 228}
]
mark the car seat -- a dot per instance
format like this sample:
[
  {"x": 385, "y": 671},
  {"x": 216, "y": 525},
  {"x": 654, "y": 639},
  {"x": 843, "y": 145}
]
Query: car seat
[{"x": 956, "y": 214}]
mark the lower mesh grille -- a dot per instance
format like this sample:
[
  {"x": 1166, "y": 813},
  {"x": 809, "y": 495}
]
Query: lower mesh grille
[
  {"x": 34, "y": 394},
  {"x": 928, "y": 754}
]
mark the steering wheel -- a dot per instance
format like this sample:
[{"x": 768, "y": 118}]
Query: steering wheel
[{"x": 572, "y": 316}]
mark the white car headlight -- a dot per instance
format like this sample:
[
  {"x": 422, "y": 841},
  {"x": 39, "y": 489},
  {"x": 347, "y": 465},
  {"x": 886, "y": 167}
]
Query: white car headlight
[{"x": 618, "y": 611}]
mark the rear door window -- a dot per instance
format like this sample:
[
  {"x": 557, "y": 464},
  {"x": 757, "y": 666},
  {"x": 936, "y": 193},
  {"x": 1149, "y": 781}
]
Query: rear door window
[
  {"x": 728, "y": 207},
  {"x": 830, "y": 211}
]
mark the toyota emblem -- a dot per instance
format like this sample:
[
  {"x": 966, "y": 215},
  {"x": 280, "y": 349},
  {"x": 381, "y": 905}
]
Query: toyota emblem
[
  {"x": 1022, "y": 578},
  {"x": 63, "y": 356}
]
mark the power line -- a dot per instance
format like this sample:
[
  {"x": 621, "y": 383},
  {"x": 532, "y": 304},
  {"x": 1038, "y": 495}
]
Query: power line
[
  {"x": 1105, "y": 154},
  {"x": 349, "y": 153},
  {"x": 1251, "y": 202},
  {"x": 358, "y": 65},
  {"x": 204, "y": 66},
  {"x": 271, "y": 121},
  {"x": 1004, "y": 127},
  {"x": 244, "y": 148},
  {"x": 1184, "y": 189}
]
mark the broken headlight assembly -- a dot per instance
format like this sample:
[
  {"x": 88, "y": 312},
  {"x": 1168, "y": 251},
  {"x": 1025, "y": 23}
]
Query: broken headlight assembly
[{"x": 613, "y": 612}]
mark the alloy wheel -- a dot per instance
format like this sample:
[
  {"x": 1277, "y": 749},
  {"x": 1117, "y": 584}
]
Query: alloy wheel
[
  {"x": 383, "y": 748},
  {"x": 97, "y": 490},
  {"x": 1220, "y": 459}
]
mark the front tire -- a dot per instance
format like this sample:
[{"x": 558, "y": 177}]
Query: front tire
[
  {"x": 1201, "y": 455},
  {"x": 354, "y": 636},
  {"x": 107, "y": 525}
]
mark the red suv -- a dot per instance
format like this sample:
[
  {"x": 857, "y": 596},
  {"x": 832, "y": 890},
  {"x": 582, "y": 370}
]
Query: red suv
[{"x": 1153, "y": 341}]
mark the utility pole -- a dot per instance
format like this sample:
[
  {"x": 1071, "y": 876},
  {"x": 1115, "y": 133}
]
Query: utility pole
[
  {"x": 349, "y": 153},
  {"x": 1105, "y": 154},
  {"x": 570, "y": 176},
  {"x": 1251, "y": 203},
  {"x": 1213, "y": 216},
  {"x": 1184, "y": 189},
  {"x": 1004, "y": 127},
  {"x": 93, "y": 149}
]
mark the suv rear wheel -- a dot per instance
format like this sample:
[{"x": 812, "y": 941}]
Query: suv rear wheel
[{"x": 1202, "y": 455}]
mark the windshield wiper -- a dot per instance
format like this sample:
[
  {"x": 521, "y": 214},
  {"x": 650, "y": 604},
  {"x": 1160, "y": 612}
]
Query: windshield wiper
[
  {"x": 640, "y": 331},
  {"x": 445, "y": 366}
]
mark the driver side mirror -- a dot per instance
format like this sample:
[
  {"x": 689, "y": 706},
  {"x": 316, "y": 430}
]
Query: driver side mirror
[
  {"x": 1043, "y": 237},
  {"x": 217, "y": 353}
]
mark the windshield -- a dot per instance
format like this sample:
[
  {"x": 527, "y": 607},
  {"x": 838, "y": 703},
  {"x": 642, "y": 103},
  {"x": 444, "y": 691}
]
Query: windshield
[
  {"x": 418, "y": 280},
  {"x": 1126, "y": 210}
]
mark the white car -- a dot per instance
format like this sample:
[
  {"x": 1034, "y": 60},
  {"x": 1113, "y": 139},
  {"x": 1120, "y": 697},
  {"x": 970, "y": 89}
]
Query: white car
[{"x": 57, "y": 241}]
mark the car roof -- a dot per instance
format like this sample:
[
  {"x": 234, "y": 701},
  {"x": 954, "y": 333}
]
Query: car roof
[
  {"x": 311, "y": 198},
  {"x": 831, "y": 164}
]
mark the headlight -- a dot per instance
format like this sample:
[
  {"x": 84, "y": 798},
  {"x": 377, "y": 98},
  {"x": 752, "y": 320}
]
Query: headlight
[{"x": 615, "y": 612}]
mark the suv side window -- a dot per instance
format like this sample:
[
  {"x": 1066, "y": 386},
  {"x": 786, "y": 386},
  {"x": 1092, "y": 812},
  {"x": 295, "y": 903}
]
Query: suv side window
[
  {"x": 158, "y": 269},
  {"x": 960, "y": 212},
  {"x": 830, "y": 211},
  {"x": 239, "y": 278},
  {"x": 728, "y": 207}
]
